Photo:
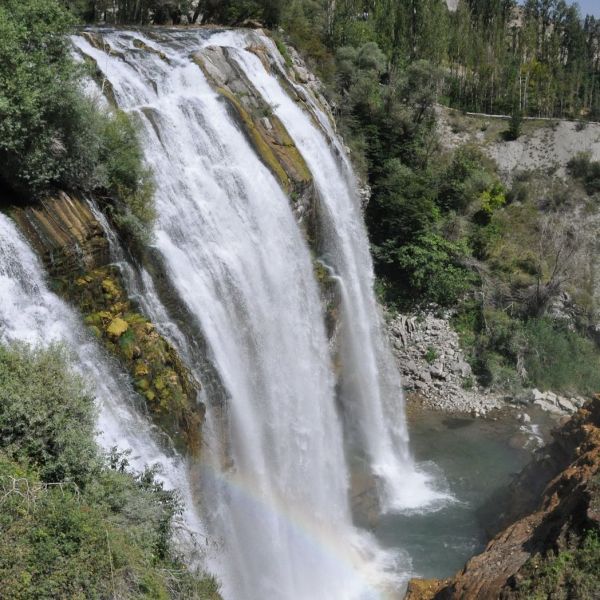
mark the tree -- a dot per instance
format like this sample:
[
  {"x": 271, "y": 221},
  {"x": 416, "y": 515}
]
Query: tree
[{"x": 559, "y": 248}]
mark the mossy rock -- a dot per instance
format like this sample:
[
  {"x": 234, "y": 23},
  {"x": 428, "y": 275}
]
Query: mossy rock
[
  {"x": 158, "y": 372},
  {"x": 117, "y": 327}
]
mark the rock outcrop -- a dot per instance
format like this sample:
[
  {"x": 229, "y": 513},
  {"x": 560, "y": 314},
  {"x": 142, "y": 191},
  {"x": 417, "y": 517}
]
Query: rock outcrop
[
  {"x": 551, "y": 402},
  {"x": 554, "y": 502},
  {"x": 434, "y": 368},
  {"x": 73, "y": 247},
  {"x": 64, "y": 233}
]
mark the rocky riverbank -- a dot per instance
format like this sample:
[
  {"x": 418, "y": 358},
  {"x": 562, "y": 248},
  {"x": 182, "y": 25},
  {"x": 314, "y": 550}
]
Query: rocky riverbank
[
  {"x": 434, "y": 368},
  {"x": 437, "y": 375}
]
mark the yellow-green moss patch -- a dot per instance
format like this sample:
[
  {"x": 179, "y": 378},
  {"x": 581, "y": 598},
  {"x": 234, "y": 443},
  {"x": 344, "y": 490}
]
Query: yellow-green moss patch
[{"x": 158, "y": 373}]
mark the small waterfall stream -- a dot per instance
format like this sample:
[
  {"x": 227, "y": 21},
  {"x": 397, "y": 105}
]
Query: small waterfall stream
[{"x": 30, "y": 313}]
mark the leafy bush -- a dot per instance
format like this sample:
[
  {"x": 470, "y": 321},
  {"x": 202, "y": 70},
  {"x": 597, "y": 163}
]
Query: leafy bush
[
  {"x": 106, "y": 542},
  {"x": 73, "y": 523},
  {"x": 125, "y": 176},
  {"x": 492, "y": 199},
  {"x": 571, "y": 573},
  {"x": 431, "y": 355},
  {"x": 46, "y": 416},
  {"x": 514, "y": 126},
  {"x": 467, "y": 179},
  {"x": 493, "y": 341},
  {"x": 51, "y": 134},
  {"x": 234, "y": 12},
  {"x": 560, "y": 359},
  {"x": 431, "y": 267},
  {"x": 507, "y": 353},
  {"x": 402, "y": 207},
  {"x": 39, "y": 83}
]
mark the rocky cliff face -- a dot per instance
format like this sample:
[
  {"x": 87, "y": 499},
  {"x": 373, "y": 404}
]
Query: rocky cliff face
[
  {"x": 65, "y": 234},
  {"x": 73, "y": 247},
  {"x": 554, "y": 503}
]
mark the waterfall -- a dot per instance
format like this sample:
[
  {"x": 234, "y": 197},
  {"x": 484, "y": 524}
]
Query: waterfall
[
  {"x": 371, "y": 387},
  {"x": 274, "y": 492},
  {"x": 30, "y": 313}
]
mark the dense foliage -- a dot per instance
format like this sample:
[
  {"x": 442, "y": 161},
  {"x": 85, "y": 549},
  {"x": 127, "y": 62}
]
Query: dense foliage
[
  {"x": 75, "y": 523},
  {"x": 571, "y": 573},
  {"x": 51, "y": 133},
  {"x": 538, "y": 58},
  {"x": 443, "y": 227}
]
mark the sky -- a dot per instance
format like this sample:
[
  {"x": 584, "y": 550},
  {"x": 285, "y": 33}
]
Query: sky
[{"x": 590, "y": 7}]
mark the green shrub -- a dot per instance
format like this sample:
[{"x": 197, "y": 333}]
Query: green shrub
[
  {"x": 106, "y": 542},
  {"x": 46, "y": 415},
  {"x": 463, "y": 180},
  {"x": 431, "y": 267},
  {"x": 73, "y": 523},
  {"x": 494, "y": 342},
  {"x": 514, "y": 126},
  {"x": 579, "y": 165},
  {"x": 570, "y": 573},
  {"x": 125, "y": 176},
  {"x": 431, "y": 354},
  {"x": 560, "y": 359},
  {"x": 282, "y": 49},
  {"x": 553, "y": 356},
  {"x": 39, "y": 82}
]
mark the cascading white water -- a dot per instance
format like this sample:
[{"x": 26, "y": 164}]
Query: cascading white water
[
  {"x": 30, "y": 313},
  {"x": 371, "y": 387},
  {"x": 278, "y": 502}
]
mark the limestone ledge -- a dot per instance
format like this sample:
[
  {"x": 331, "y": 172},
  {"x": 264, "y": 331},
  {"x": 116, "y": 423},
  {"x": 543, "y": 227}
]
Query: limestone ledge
[{"x": 278, "y": 151}]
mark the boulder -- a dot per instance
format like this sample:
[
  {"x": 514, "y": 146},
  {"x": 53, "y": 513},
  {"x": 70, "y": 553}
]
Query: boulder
[
  {"x": 567, "y": 405},
  {"x": 548, "y": 406}
]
